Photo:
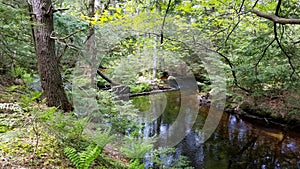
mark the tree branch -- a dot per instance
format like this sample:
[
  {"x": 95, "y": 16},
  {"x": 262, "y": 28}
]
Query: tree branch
[
  {"x": 232, "y": 72},
  {"x": 71, "y": 34},
  {"x": 241, "y": 7},
  {"x": 106, "y": 78},
  {"x": 163, "y": 24},
  {"x": 255, "y": 4},
  {"x": 264, "y": 52},
  {"x": 60, "y": 9},
  {"x": 278, "y": 42},
  {"x": 227, "y": 37},
  {"x": 275, "y": 18},
  {"x": 283, "y": 50},
  {"x": 105, "y": 6},
  {"x": 278, "y": 8},
  {"x": 29, "y": 8}
]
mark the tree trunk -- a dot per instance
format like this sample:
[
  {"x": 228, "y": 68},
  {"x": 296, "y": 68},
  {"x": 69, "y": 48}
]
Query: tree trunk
[
  {"x": 91, "y": 45},
  {"x": 48, "y": 67}
]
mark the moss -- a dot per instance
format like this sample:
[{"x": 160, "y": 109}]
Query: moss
[{"x": 3, "y": 128}]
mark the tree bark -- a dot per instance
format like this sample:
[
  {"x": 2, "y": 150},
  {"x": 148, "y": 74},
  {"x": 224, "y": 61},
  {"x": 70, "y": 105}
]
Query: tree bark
[
  {"x": 48, "y": 67},
  {"x": 91, "y": 45}
]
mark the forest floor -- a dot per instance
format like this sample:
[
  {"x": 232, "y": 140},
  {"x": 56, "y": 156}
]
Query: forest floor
[{"x": 26, "y": 142}]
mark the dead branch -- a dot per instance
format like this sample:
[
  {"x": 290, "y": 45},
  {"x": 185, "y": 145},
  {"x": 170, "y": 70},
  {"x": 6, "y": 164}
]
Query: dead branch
[
  {"x": 60, "y": 9},
  {"x": 63, "y": 38},
  {"x": 69, "y": 45}
]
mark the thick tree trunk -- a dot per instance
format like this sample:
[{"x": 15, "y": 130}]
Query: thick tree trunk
[{"x": 45, "y": 51}]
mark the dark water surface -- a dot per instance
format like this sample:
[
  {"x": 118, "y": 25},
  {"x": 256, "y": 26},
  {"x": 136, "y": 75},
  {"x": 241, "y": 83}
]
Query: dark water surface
[{"x": 236, "y": 143}]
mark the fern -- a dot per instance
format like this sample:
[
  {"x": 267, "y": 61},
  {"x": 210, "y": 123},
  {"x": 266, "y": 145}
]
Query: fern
[
  {"x": 85, "y": 158},
  {"x": 136, "y": 164},
  {"x": 71, "y": 153}
]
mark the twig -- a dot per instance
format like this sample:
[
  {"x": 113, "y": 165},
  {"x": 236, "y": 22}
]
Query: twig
[
  {"x": 227, "y": 37},
  {"x": 264, "y": 52},
  {"x": 65, "y": 37},
  {"x": 232, "y": 72},
  {"x": 296, "y": 42}
]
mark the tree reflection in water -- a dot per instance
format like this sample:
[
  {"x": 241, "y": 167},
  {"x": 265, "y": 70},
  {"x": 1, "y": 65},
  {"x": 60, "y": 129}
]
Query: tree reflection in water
[{"x": 235, "y": 143}]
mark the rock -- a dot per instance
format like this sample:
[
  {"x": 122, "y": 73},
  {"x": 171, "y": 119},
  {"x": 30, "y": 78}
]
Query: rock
[{"x": 19, "y": 82}]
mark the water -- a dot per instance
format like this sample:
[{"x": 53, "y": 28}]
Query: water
[{"x": 236, "y": 143}]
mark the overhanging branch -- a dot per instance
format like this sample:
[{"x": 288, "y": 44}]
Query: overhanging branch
[{"x": 275, "y": 18}]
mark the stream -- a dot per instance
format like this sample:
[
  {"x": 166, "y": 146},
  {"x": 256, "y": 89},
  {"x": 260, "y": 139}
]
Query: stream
[{"x": 236, "y": 143}]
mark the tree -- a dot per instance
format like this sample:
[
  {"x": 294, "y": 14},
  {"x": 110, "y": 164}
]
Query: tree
[{"x": 48, "y": 62}]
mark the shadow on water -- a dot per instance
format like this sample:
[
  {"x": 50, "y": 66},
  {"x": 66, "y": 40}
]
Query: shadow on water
[{"x": 236, "y": 143}]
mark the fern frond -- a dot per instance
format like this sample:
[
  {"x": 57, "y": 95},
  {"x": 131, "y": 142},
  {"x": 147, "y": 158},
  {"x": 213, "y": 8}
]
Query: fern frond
[
  {"x": 71, "y": 153},
  {"x": 89, "y": 155}
]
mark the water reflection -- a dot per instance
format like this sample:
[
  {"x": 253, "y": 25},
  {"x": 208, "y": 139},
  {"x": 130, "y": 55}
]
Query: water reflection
[{"x": 235, "y": 143}]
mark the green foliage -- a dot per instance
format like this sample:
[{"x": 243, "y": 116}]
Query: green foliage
[
  {"x": 160, "y": 159},
  {"x": 234, "y": 31},
  {"x": 18, "y": 72},
  {"x": 3, "y": 128},
  {"x": 101, "y": 138},
  {"x": 136, "y": 164},
  {"x": 16, "y": 44},
  {"x": 136, "y": 148},
  {"x": 85, "y": 158},
  {"x": 26, "y": 100},
  {"x": 121, "y": 115},
  {"x": 138, "y": 88},
  {"x": 21, "y": 72},
  {"x": 68, "y": 129}
]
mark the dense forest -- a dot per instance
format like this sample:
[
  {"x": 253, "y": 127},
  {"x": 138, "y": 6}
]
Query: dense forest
[{"x": 126, "y": 84}]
